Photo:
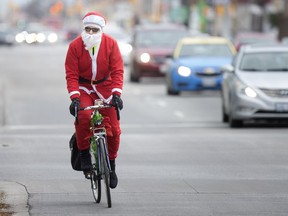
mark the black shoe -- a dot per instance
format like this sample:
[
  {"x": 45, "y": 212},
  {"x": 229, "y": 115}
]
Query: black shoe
[
  {"x": 113, "y": 176},
  {"x": 86, "y": 164}
]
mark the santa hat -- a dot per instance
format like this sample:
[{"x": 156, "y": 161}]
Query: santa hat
[{"x": 94, "y": 19}]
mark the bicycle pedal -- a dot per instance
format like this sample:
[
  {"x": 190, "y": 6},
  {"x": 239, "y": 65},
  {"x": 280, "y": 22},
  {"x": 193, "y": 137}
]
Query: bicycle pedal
[
  {"x": 96, "y": 177},
  {"x": 88, "y": 175}
]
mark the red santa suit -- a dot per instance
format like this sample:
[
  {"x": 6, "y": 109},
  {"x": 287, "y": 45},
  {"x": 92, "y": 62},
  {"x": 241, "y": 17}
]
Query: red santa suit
[{"x": 101, "y": 62}]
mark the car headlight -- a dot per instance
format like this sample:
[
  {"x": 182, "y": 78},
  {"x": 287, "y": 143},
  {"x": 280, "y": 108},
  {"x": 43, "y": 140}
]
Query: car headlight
[
  {"x": 244, "y": 89},
  {"x": 31, "y": 38},
  {"x": 145, "y": 57},
  {"x": 184, "y": 71},
  {"x": 40, "y": 38},
  {"x": 125, "y": 49},
  {"x": 250, "y": 92},
  {"x": 20, "y": 37},
  {"x": 52, "y": 38}
]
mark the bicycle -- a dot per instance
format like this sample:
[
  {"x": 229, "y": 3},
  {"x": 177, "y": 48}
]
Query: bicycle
[{"x": 99, "y": 153}]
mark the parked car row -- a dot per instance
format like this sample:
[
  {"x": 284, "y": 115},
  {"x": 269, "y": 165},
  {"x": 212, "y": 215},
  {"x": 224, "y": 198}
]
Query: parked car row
[{"x": 251, "y": 73}]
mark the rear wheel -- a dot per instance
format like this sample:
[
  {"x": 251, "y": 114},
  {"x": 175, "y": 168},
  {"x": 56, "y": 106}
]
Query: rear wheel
[{"x": 105, "y": 171}]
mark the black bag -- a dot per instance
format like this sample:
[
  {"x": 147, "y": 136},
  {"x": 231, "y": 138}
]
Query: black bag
[{"x": 75, "y": 153}]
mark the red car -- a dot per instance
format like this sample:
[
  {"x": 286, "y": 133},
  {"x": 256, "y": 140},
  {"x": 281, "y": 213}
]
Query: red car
[{"x": 151, "y": 44}]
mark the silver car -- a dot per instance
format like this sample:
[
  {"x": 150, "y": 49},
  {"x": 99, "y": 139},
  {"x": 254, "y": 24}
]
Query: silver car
[{"x": 255, "y": 86}]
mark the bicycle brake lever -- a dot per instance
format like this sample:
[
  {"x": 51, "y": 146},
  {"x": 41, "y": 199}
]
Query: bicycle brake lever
[
  {"x": 118, "y": 112},
  {"x": 76, "y": 115}
]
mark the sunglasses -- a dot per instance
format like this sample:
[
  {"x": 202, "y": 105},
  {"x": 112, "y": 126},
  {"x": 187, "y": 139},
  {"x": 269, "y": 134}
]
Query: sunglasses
[{"x": 94, "y": 30}]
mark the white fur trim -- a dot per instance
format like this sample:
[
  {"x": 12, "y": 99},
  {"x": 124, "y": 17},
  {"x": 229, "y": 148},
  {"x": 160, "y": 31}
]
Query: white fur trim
[
  {"x": 74, "y": 92},
  {"x": 117, "y": 89},
  {"x": 86, "y": 90},
  {"x": 93, "y": 20}
]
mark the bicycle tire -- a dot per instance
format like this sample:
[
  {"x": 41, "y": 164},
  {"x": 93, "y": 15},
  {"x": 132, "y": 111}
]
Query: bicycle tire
[
  {"x": 105, "y": 171},
  {"x": 96, "y": 186},
  {"x": 95, "y": 175}
]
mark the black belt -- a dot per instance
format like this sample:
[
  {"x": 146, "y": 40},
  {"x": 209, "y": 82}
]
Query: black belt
[{"x": 92, "y": 82}]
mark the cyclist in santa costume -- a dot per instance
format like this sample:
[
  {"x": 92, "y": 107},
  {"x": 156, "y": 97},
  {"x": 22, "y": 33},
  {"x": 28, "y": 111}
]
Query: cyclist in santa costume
[{"x": 94, "y": 70}]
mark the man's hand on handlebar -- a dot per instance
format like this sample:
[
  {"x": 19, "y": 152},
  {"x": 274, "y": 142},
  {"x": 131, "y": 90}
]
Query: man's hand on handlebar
[
  {"x": 74, "y": 106},
  {"x": 117, "y": 101}
]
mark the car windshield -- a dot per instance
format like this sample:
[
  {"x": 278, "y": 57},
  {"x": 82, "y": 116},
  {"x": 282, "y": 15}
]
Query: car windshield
[
  {"x": 208, "y": 50},
  {"x": 265, "y": 62},
  {"x": 163, "y": 38},
  {"x": 257, "y": 41}
]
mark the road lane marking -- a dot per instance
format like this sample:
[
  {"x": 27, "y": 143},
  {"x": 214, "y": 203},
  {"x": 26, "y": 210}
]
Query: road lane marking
[
  {"x": 162, "y": 103},
  {"x": 179, "y": 114},
  {"x": 124, "y": 126}
]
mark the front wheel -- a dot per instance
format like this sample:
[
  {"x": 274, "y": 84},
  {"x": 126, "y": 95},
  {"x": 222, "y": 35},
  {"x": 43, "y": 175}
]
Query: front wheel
[
  {"x": 96, "y": 186},
  {"x": 105, "y": 171},
  {"x": 225, "y": 117},
  {"x": 134, "y": 74},
  {"x": 234, "y": 123}
]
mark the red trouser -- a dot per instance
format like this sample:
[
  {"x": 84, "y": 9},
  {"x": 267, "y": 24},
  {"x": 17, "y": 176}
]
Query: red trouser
[{"x": 83, "y": 132}]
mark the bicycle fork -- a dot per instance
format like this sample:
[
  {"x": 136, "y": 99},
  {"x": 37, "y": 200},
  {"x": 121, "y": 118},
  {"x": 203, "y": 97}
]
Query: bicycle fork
[{"x": 99, "y": 153}]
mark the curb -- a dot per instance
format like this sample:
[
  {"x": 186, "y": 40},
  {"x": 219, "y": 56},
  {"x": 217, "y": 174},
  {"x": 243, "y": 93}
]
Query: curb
[
  {"x": 2, "y": 104},
  {"x": 15, "y": 199}
]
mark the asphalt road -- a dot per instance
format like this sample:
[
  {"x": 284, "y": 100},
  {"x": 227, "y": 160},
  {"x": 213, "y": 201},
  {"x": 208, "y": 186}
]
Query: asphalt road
[{"x": 176, "y": 156}]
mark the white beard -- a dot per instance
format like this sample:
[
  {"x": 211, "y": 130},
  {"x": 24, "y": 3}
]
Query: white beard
[{"x": 90, "y": 40}]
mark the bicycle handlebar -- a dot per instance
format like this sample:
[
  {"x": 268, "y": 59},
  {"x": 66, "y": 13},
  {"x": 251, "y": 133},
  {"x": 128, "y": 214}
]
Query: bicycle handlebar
[{"x": 96, "y": 107}]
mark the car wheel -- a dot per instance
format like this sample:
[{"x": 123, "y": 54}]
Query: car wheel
[
  {"x": 234, "y": 123},
  {"x": 172, "y": 92},
  {"x": 134, "y": 77},
  {"x": 225, "y": 117}
]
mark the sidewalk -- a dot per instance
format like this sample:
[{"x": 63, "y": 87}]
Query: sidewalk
[{"x": 13, "y": 199}]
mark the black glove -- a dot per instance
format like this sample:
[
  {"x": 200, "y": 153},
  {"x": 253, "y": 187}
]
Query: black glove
[
  {"x": 117, "y": 101},
  {"x": 74, "y": 104}
]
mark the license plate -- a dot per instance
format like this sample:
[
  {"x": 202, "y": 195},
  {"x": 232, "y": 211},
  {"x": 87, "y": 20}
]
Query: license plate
[
  {"x": 209, "y": 82},
  {"x": 281, "y": 107}
]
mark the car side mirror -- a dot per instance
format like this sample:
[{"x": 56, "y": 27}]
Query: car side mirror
[
  {"x": 227, "y": 68},
  {"x": 169, "y": 56}
]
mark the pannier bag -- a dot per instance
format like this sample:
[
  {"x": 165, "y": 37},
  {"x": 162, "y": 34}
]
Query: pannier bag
[{"x": 75, "y": 153}]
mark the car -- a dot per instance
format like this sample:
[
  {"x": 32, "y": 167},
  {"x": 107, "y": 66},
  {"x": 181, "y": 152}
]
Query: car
[
  {"x": 196, "y": 64},
  {"x": 71, "y": 34},
  {"x": 151, "y": 44},
  {"x": 123, "y": 40},
  {"x": 36, "y": 33},
  {"x": 6, "y": 37},
  {"x": 244, "y": 38},
  {"x": 255, "y": 85}
]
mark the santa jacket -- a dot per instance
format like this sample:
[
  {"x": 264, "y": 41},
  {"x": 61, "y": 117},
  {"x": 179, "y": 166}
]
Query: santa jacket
[{"x": 106, "y": 62}]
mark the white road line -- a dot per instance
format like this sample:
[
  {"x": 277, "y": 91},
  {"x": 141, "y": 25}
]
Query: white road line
[
  {"x": 162, "y": 103},
  {"x": 124, "y": 126},
  {"x": 179, "y": 114}
]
